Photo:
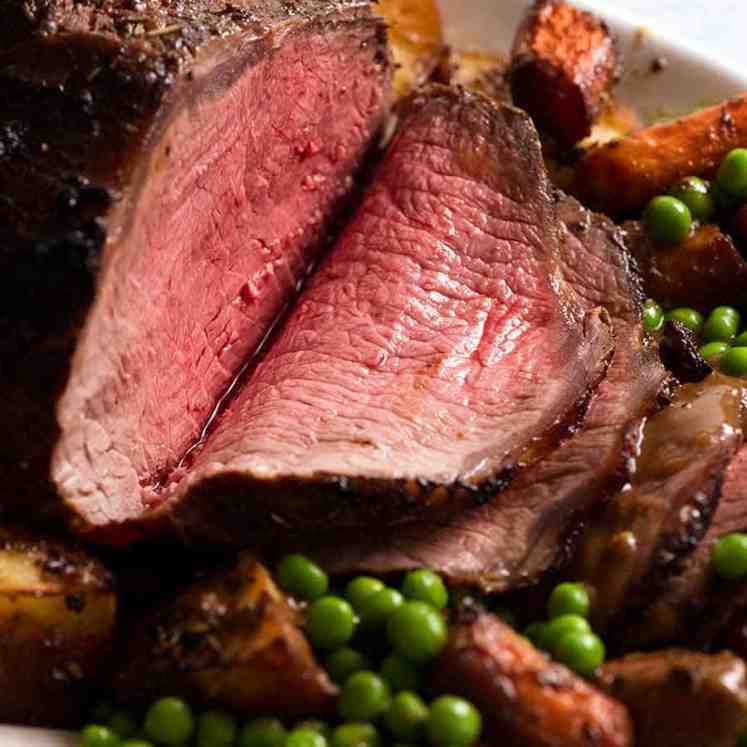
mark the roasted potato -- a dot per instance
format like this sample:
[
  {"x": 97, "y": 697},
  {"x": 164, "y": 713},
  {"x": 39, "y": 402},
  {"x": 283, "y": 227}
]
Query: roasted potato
[
  {"x": 705, "y": 271},
  {"x": 233, "y": 640},
  {"x": 563, "y": 65},
  {"x": 57, "y": 615},
  {"x": 620, "y": 177},
  {"x": 475, "y": 71},
  {"x": 528, "y": 700},
  {"x": 416, "y": 40}
]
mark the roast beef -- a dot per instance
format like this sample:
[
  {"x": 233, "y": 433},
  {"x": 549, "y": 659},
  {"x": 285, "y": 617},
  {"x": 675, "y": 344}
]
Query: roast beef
[
  {"x": 526, "y": 699},
  {"x": 692, "y": 591},
  {"x": 520, "y": 532},
  {"x": 679, "y": 698},
  {"x": 666, "y": 509},
  {"x": 433, "y": 347},
  {"x": 168, "y": 173}
]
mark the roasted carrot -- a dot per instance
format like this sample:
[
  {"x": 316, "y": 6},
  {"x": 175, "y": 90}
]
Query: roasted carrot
[
  {"x": 527, "y": 700},
  {"x": 564, "y": 63},
  {"x": 619, "y": 178},
  {"x": 704, "y": 271}
]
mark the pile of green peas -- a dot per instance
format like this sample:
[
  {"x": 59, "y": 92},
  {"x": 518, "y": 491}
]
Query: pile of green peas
[
  {"x": 669, "y": 219},
  {"x": 723, "y": 340},
  {"x": 567, "y": 635}
]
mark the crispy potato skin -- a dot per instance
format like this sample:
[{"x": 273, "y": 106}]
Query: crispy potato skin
[
  {"x": 679, "y": 697},
  {"x": 705, "y": 271},
  {"x": 416, "y": 40},
  {"x": 57, "y": 616},
  {"x": 619, "y": 178},
  {"x": 529, "y": 701},
  {"x": 231, "y": 640},
  {"x": 564, "y": 63},
  {"x": 475, "y": 71}
]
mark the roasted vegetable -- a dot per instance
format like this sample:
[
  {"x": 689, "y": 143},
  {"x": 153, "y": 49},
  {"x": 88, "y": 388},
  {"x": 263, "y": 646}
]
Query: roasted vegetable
[
  {"x": 528, "y": 700},
  {"x": 416, "y": 40},
  {"x": 679, "y": 698},
  {"x": 706, "y": 270},
  {"x": 475, "y": 71},
  {"x": 564, "y": 63},
  {"x": 57, "y": 610},
  {"x": 232, "y": 640},
  {"x": 619, "y": 178}
]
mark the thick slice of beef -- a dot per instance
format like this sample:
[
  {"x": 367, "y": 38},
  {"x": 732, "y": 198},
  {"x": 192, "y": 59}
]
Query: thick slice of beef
[
  {"x": 434, "y": 345},
  {"x": 667, "y": 507},
  {"x": 527, "y": 700},
  {"x": 679, "y": 698},
  {"x": 168, "y": 174},
  {"x": 691, "y": 588},
  {"x": 520, "y": 532}
]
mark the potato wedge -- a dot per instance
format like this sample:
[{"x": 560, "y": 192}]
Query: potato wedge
[
  {"x": 528, "y": 700},
  {"x": 475, "y": 71},
  {"x": 57, "y": 614},
  {"x": 564, "y": 63},
  {"x": 620, "y": 177},
  {"x": 416, "y": 40},
  {"x": 231, "y": 640},
  {"x": 705, "y": 271}
]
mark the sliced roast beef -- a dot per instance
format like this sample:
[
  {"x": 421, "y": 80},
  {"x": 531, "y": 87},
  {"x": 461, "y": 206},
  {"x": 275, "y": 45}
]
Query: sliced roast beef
[
  {"x": 691, "y": 587},
  {"x": 428, "y": 353},
  {"x": 667, "y": 507},
  {"x": 679, "y": 698},
  {"x": 167, "y": 176},
  {"x": 520, "y": 532},
  {"x": 527, "y": 699}
]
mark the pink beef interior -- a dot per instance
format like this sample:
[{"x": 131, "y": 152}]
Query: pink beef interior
[
  {"x": 436, "y": 340},
  {"x": 228, "y": 213}
]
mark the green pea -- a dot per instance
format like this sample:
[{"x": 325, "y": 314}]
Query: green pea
[
  {"x": 304, "y": 737},
  {"x": 536, "y": 632},
  {"x": 360, "y": 588},
  {"x": 731, "y": 176},
  {"x": 453, "y": 722},
  {"x": 95, "y": 735},
  {"x": 734, "y": 362},
  {"x": 364, "y": 697},
  {"x": 653, "y": 316},
  {"x": 317, "y": 725},
  {"x": 400, "y": 673},
  {"x": 216, "y": 729},
  {"x": 729, "y": 556},
  {"x": 406, "y": 716},
  {"x": 741, "y": 340},
  {"x": 560, "y": 626},
  {"x": 691, "y": 318},
  {"x": 581, "y": 652},
  {"x": 345, "y": 661},
  {"x": 425, "y": 586},
  {"x": 417, "y": 631},
  {"x": 136, "y": 743},
  {"x": 377, "y": 608},
  {"x": 569, "y": 599},
  {"x": 263, "y": 732},
  {"x": 721, "y": 325},
  {"x": 330, "y": 623},
  {"x": 355, "y": 735},
  {"x": 667, "y": 220},
  {"x": 122, "y": 724},
  {"x": 696, "y": 194},
  {"x": 713, "y": 351},
  {"x": 169, "y": 721},
  {"x": 301, "y": 578}
]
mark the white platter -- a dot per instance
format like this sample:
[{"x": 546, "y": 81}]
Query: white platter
[{"x": 692, "y": 77}]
